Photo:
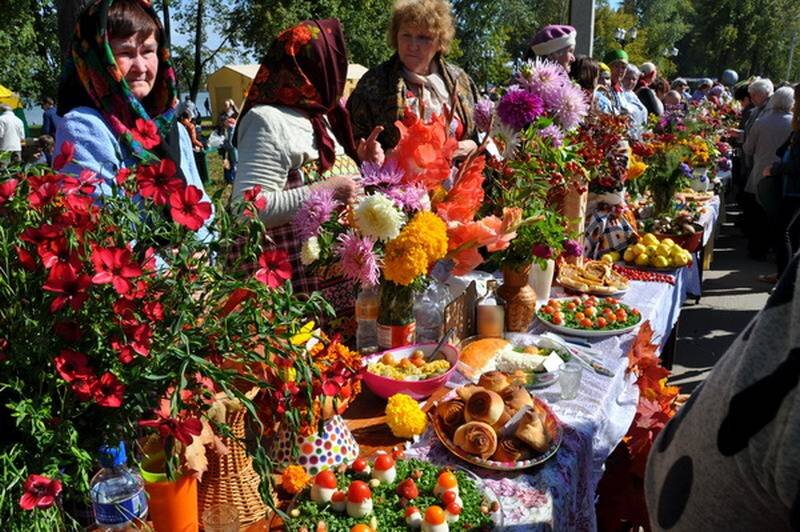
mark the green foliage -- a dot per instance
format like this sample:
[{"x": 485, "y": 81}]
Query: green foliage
[{"x": 29, "y": 53}]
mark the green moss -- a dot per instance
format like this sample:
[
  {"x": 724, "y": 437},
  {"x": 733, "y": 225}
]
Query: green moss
[{"x": 386, "y": 502}]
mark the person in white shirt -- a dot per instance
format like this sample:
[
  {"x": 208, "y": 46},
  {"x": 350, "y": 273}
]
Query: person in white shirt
[{"x": 12, "y": 133}]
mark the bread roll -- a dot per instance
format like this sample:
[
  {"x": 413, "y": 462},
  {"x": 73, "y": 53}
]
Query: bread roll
[
  {"x": 516, "y": 397},
  {"x": 531, "y": 431},
  {"x": 479, "y": 354},
  {"x": 451, "y": 414},
  {"x": 476, "y": 438},
  {"x": 485, "y": 406},
  {"x": 494, "y": 381},
  {"x": 465, "y": 392},
  {"x": 511, "y": 450}
]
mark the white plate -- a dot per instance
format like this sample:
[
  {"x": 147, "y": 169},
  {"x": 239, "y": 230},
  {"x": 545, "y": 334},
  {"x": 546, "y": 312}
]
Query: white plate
[
  {"x": 544, "y": 379},
  {"x": 587, "y": 333}
]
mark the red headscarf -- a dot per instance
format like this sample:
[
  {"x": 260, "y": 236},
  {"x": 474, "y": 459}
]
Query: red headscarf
[{"x": 306, "y": 68}]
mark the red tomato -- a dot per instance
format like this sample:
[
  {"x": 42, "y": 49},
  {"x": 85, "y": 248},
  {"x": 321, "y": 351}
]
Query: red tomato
[
  {"x": 579, "y": 316},
  {"x": 590, "y": 311},
  {"x": 635, "y": 311},
  {"x": 547, "y": 310},
  {"x": 622, "y": 315},
  {"x": 558, "y": 315},
  {"x": 553, "y": 303},
  {"x": 571, "y": 306},
  {"x": 326, "y": 479},
  {"x": 601, "y": 323},
  {"x": 358, "y": 492},
  {"x": 611, "y": 318},
  {"x": 586, "y": 323},
  {"x": 557, "y": 320},
  {"x": 384, "y": 462}
]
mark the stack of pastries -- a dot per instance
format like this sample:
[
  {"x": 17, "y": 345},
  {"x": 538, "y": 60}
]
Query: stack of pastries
[{"x": 475, "y": 420}]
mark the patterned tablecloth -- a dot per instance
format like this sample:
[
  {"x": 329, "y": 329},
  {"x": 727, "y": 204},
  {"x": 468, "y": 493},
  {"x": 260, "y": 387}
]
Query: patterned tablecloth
[{"x": 560, "y": 494}]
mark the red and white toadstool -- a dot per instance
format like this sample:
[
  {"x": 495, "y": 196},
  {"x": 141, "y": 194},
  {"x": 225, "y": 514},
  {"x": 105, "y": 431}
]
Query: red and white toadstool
[
  {"x": 359, "y": 499},
  {"x": 339, "y": 501},
  {"x": 384, "y": 469},
  {"x": 324, "y": 486},
  {"x": 435, "y": 520},
  {"x": 413, "y": 517}
]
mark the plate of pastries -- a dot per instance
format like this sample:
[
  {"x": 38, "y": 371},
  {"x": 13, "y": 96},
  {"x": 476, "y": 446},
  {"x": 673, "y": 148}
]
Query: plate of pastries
[
  {"x": 592, "y": 277},
  {"x": 497, "y": 424}
]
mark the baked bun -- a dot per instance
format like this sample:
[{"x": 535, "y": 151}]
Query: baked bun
[
  {"x": 511, "y": 450},
  {"x": 516, "y": 397},
  {"x": 451, "y": 414},
  {"x": 531, "y": 431},
  {"x": 476, "y": 438},
  {"x": 465, "y": 392},
  {"x": 485, "y": 406},
  {"x": 495, "y": 381}
]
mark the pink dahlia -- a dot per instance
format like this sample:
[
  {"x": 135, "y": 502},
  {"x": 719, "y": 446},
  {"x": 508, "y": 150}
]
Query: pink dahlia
[
  {"x": 376, "y": 175},
  {"x": 358, "y": 259},
  {"x": 410, "y": 198},
  {"x": 542, "y": 77},
  {"x": 553, "y": 133},
  {"x": 316, "y": 210},
  {"x": 519, "y": 108},
  {"x": 570, "y": 106}
]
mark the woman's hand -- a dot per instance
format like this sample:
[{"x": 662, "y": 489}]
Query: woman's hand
[
  {"x": 767, "y": 171},
  {"x": 343, "y": 186},
  {"x": 464, "y": 148},
  {"x": 370, "y": 150}
]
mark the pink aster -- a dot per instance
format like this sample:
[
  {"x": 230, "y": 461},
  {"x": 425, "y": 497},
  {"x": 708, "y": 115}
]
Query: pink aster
[
  {"x": 519, "y": 108},
  {"x": 388, "y": 174},
  {"x": 410, "y": 198},
  {"x": 358, "y": 259},
  {"x": 317, "y": 209},
  {"x": 484, "y": 108},
  {"x": 542, "y": 77}
]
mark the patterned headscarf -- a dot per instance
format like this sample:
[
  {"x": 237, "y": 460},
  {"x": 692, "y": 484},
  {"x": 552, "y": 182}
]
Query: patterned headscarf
[
  {"x": 91, "y": 77},
  {"x": 306, "y": 68}
]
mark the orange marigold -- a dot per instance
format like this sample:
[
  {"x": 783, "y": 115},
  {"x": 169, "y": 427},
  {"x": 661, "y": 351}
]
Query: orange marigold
[{"x": 294, "y": 479}]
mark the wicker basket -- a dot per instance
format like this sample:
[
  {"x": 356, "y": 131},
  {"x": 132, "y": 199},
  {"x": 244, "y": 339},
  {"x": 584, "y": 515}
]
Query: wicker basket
[{"x": 231, "y": 478}]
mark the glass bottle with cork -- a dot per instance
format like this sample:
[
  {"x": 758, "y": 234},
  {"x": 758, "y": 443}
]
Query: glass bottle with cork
[{"x": 490, "y": 313}]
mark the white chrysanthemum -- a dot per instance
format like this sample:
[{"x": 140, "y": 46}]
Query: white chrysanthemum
[
  {"x": 377, "y": 216},
  {"x": 309, "y": 253}
]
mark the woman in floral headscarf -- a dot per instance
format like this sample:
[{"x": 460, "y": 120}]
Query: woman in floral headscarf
[
  {"x": 294, "y": 139},
  {"x": 117, "y": 96}
]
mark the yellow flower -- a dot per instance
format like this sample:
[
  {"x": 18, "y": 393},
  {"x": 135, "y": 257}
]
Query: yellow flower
[
  {"x": 304, "y": 335},
  {"x": 404, "y": 416},
  {"x": 422, "y": 242},
  {"x": 294, "y": 479}
]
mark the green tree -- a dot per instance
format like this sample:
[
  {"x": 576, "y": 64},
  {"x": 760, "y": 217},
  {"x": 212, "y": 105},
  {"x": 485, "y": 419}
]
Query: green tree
[{"x": 30, "y": 60}]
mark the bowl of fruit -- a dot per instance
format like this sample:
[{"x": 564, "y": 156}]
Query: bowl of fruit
[
  {"x": 652, "y": 253},
  {"x": 408, "y": 370}
]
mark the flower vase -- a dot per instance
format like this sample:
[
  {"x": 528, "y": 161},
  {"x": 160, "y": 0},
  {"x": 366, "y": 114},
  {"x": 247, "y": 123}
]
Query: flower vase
[
  {"x": 172, "y": 504},
  {"x": 519, "y": 296},
  {"x": 541, "y": 279},
  {"x": 396, "y": 323},
  {"x": 231, "y": 478},
  {"x": 700, "y": 181},
  {"x": 573, "y": 209},
  {"x": 328, "y": 448}
]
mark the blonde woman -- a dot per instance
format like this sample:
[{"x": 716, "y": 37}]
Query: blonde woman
[{"x": 417, "y": 77}]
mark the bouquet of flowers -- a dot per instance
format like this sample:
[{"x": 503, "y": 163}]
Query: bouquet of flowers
[{"x": 119, "y": 320}]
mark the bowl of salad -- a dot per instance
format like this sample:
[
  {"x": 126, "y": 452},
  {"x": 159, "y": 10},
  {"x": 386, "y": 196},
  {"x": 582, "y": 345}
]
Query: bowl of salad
[{"x": 589, "y": 316}]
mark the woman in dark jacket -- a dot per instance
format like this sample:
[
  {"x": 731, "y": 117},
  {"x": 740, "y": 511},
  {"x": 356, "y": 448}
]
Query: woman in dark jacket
[{"x": 417, "y": 77}]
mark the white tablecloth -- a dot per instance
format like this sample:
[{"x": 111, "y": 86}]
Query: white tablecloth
[{"x": 560, "y": 494}]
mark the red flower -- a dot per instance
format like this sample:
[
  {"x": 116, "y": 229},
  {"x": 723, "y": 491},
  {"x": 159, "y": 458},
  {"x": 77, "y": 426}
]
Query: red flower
[
  {"x": 122, "y": 176},
  {"x": 65, "y": 155},
  {"x": 71, "y": 285},
  {"x": 254, "y": 196},
  {"x": 182, "y": 430},
  {"x": 187, "y": 209},
  {"x": 7, "y": 189},
  {"x": 108, "y": 391},
  {"x": 238, "y": 296},
  {"x": 40, "y": 492},
  {"x": 115, "y": 266},
  {"x": 275, "y": 268},
  {"x": 26, "y": 258},
  {"x": 72, "y": 365},
  {"x": 84, "y": 388},
  {"x": 146, "y": 133},
  {"x": 43, "y": 195},
  {"x": 154, "y": 310},
  {"x": 158, "y": 181},
  {"x": 56, "y": 252},
  {"x": 141, "y": 338},
  {"x": 126, "y": 352}
]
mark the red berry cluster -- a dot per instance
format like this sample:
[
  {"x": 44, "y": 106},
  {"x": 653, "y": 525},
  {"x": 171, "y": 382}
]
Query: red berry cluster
[{"x": 643, "y": 275}]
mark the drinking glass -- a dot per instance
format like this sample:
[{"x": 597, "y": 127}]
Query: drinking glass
[
  {"x": 221, "y": 518},
  {"x": 569, "y": 376}
]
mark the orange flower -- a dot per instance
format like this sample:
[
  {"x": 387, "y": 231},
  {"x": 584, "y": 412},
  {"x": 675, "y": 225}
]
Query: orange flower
[
  {"x": 466, "y": 197},
  {"x": 294, "y": 479},
  {"x": 425, "y": 151},
  {"x": 464, "y": 239}
]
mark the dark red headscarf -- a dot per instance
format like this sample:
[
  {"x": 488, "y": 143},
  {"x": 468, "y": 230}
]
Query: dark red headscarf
[{"x": 306, "y": 68}]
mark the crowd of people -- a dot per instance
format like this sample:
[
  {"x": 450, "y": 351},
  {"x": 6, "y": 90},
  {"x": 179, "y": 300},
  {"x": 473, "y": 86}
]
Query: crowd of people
[{"x": 295, "y": 135}]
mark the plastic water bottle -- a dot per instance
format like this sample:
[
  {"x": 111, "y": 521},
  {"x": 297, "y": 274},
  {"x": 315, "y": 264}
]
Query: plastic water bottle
[
  {"x": 367, "y": 306},
  {"x": 430, "y": 305},
  {"x": 119, "y": 500}
]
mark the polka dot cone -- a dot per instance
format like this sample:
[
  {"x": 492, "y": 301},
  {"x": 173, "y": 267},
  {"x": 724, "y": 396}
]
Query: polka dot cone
[{"x": 333, "y": 446}]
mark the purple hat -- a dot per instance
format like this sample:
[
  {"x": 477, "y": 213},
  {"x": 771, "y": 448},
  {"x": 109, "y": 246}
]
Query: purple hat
[{"x": 553, "y": 38}]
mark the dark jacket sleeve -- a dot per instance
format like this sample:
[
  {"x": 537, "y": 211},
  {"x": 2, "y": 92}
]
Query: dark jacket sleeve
[
  {"x": 790, "y": 167},
  {"x": 648, "y": 98}
]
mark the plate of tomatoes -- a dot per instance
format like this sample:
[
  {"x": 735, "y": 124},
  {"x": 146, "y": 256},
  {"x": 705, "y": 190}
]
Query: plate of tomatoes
[{"x": 589, "y": 316}]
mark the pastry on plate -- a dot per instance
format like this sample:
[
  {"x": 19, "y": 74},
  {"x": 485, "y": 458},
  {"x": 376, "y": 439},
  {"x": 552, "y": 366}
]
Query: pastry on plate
[
  {"x": 495, "y": 381},
  {"x": 531, "y": 430},
  {"x": 476, "y": 438},
  {"x": 516, "y": 397},
  {"x": 511, "y": 450},
  {"x": 485, "y": 406},
  {"x": 451, "y": 413}
]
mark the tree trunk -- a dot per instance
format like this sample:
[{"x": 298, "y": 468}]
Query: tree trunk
[
  {"x": 68, "y": 12},
  {"x": 198, "y": 51},
  {"x": 167, "y": 24}
]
